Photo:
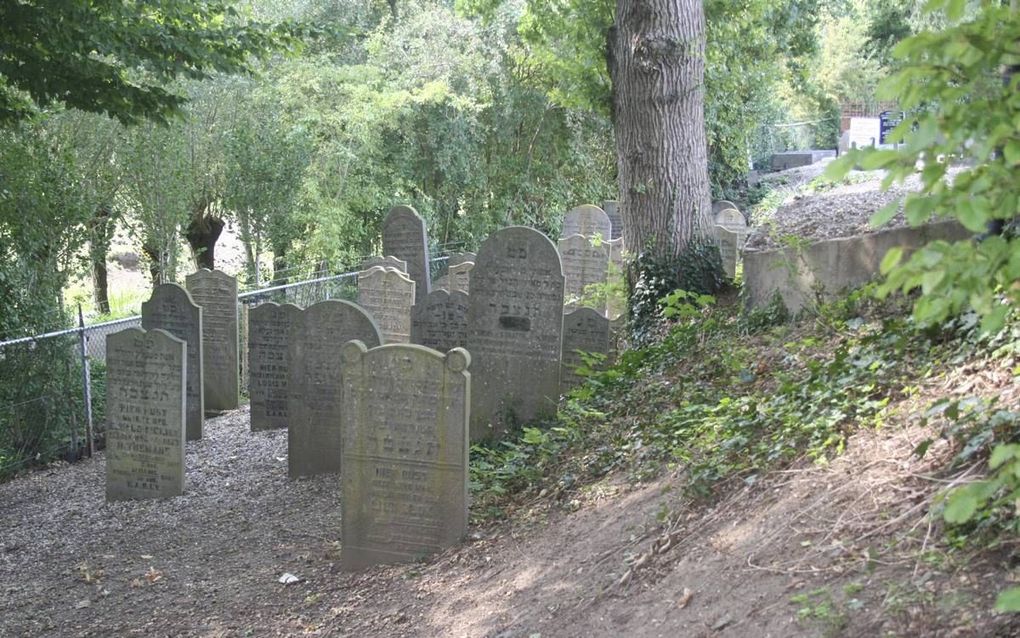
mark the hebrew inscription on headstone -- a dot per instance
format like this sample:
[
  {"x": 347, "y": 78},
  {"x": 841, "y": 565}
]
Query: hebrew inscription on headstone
[
  {"x": 404, "y": 237},
  {"x": 314, "y": 390},
  {"x": 145, "y": 411},
  {"x": 405, "y": 452},
  {"x": 515, "y": 324},
  {"x": 388, "y": 295},
  {"x": 270, "y": 329},
  {"x": 171, "y": 308},
  {"x": 587, "y": 220},
  {"x": 584, "y": 330},
  {"x": 440, "y": 321},
  {"x": 585, "y": 262},
  {"x": 216, "y": 292}
]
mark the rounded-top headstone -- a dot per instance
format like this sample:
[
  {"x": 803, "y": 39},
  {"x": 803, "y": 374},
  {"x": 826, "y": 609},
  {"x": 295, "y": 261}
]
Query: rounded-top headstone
[
  {"x": 722, "y": 205},
  {"x": 588, "y": 220},
  {"x": 389, "y": 261},
  {"x": 216, "y": 292},
  {"x": 732, "y": 220},
  {"x": 405, "y": 237},
  {"x": 612, "y": 208},
  {"x": 515, "y": 324}
]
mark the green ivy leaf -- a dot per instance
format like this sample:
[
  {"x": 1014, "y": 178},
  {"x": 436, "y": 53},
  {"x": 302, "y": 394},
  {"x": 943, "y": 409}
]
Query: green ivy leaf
[
  {"x": 961, "y": 506},
  {"x": 891, "y": 259},
  {"x": 884, "y": 214},
  {"x": 1001, "y": 454},
  {"x": 1009, "y": 600}
]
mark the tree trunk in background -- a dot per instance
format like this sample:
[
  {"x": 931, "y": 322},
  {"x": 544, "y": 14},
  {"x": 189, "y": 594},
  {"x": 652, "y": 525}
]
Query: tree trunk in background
[
  {"x": 157, "y": 259},
  {"x": 202, "y": 233},
  {"x": 279, "y": 265},
  {"x": 99, "y": 248},
  {"x": 657, "y": 64}
]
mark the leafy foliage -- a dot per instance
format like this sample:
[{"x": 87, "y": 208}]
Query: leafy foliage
[
  {"x": 118, "y": 58},
  {"x": 961, "y": 112}
]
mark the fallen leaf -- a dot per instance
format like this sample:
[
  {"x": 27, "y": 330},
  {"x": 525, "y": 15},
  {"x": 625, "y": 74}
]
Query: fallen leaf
[
  {"x": 153, "y": 574},
  {"x": 685, "y": 598}
]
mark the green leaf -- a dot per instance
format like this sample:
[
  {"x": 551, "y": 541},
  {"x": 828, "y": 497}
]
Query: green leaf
[
  {"x": 994, "y": 321},
  {"x": 961, "y": 506},
  {"x": 1009, "y": 600},
  {"x": 878, "y": 158},
  {"x": 884, "y": 214},
  {"x": 1001, "y": 454},
  {"x": 891, "y": 259},
  {"x": 1011, "y": 151},
  {"x": 970, "y": 216}
]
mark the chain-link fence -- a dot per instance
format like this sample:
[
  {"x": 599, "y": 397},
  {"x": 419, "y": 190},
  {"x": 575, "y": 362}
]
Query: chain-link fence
[{"x": 53, "y": 385}]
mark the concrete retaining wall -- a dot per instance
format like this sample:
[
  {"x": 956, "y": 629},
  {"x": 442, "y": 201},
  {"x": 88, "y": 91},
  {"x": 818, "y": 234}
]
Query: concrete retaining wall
[{"x": 830, "y": 266}]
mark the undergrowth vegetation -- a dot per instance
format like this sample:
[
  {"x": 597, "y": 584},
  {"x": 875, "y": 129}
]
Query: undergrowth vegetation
[{"x": 721, "y": 398}]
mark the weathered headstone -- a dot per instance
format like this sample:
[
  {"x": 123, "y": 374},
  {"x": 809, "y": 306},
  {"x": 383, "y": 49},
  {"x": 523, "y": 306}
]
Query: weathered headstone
[
  {"x": 732, "y": 220},
  {"x": 587, "y": 220},
  {"x": 612, "y": 209},
  {"x": 459, "y": 258},
  {"x": 404, "y": 236},
  {"x": 388, "y": 262},
  {"x": 216, "y": 292},
  {"x": 145, "y": 412},
  {"x": 171, "y": 308},
  {"x": 585, "y": 262},
  {"x": 515, "y": 324},
  {"x": 270, "y": 329},
  {"x": 313, "y": 389},
  {"x": 388, "y": 295},
  {"x": 405, "y": 452},
  {"x": 729, "y": 246},
  {"x": 584, "y": 330},
  {"x": 440, "y": 320},
  {"x": 459, "y": 277},
  {"x": 722, "y": 205}
]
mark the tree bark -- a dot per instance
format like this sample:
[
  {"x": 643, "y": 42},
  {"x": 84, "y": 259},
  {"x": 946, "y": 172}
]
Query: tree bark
[
  {"x": 99, "y": 248},
  {"x": 203, "y": 231},
  {"x": 656, "y": 61}
]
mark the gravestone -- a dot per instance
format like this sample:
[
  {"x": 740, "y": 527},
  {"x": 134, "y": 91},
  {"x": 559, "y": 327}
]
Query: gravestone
[
  {"x": 404, "y": 236},
  {"x": 722, "y": 205},
  {"x": 405, "y": 452},
  {"x": 313, "y": 389},
  {"x": 270, "y": 329},
  {"x": 459, "y": 258},
  {"x": 732, "y": 220},
  {"x": 515, "y": 324},
  {"x": 729, "y": 247},
  {"x": 388, "y": 262},
  {"x": 145, "y": 412},
  {"x": 459, "y": 277},
  {"x": 612, "y": 210},
  {"x": 440, "y": 321},
  {"x": 388, "y": 295},
  {"x": 171, "y": 308},
  {"x": 584, "y": 330},
  {"x": 584, "y": 263},
  {"x": 587, "y": 220},
  {"x": 216, "y": 292}
]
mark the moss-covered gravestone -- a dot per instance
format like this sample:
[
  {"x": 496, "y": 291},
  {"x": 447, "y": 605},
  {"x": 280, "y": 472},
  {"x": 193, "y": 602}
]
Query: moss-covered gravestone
[
  {"x": 584, "y": 331},
  {"x": 405, "y": 452},
  {"x": 388, "y": 295},
  {"x": 440, "y": 321},
  {"x": 588, "y": 220},
  {"x": 216, "y": 293},
  {"x": 585, "y": 262}
]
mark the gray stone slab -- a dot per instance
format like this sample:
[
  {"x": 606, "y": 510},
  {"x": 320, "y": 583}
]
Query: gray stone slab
[
  {"x": 216, "y": 293},
  {"x": 459, "y": 277},
  {"x": 388, "y": 295},
  {"x": 616, "y": 305},
  {"x": 405, "y": 452},
  {"x": 440, "y": 321},
  {"x": 314, "y": 388},
  {"x": 270, "y": 330},
  {"x": 585, "y": 262},
  {"x": 731, "y": 219},
  {"x": 722, "y": 205},
  {"x": 729, "y": 249},
  {"x": 404, "y": 236},
  {"x": 612, "y": 210},
  {"x": 588, "y": 220},
  {"x": 171, "y": 308},
  {"x": 145, "y": 414},
  {"x": 388, "y": 262},
  {"x": 584, "y": 330},
  {"x": 515, "y": 323}
]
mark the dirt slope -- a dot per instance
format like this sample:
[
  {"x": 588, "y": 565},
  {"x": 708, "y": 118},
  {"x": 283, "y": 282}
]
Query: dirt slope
[{"x": 810, "y": 551}]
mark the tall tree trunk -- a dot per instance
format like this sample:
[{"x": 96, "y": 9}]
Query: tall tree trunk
[
  {"x": 203, "y": 231},
  {"x": 656, "y": 61},
  {"x": 157, "y": 259},
  {"x": 99, "y": 248}
]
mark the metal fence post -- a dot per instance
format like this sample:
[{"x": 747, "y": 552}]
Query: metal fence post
[{"x": 86, "y": 381}]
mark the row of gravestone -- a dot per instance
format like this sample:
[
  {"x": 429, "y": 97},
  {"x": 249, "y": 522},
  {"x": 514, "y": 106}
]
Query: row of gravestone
[{"x": 401, "y": 448}]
